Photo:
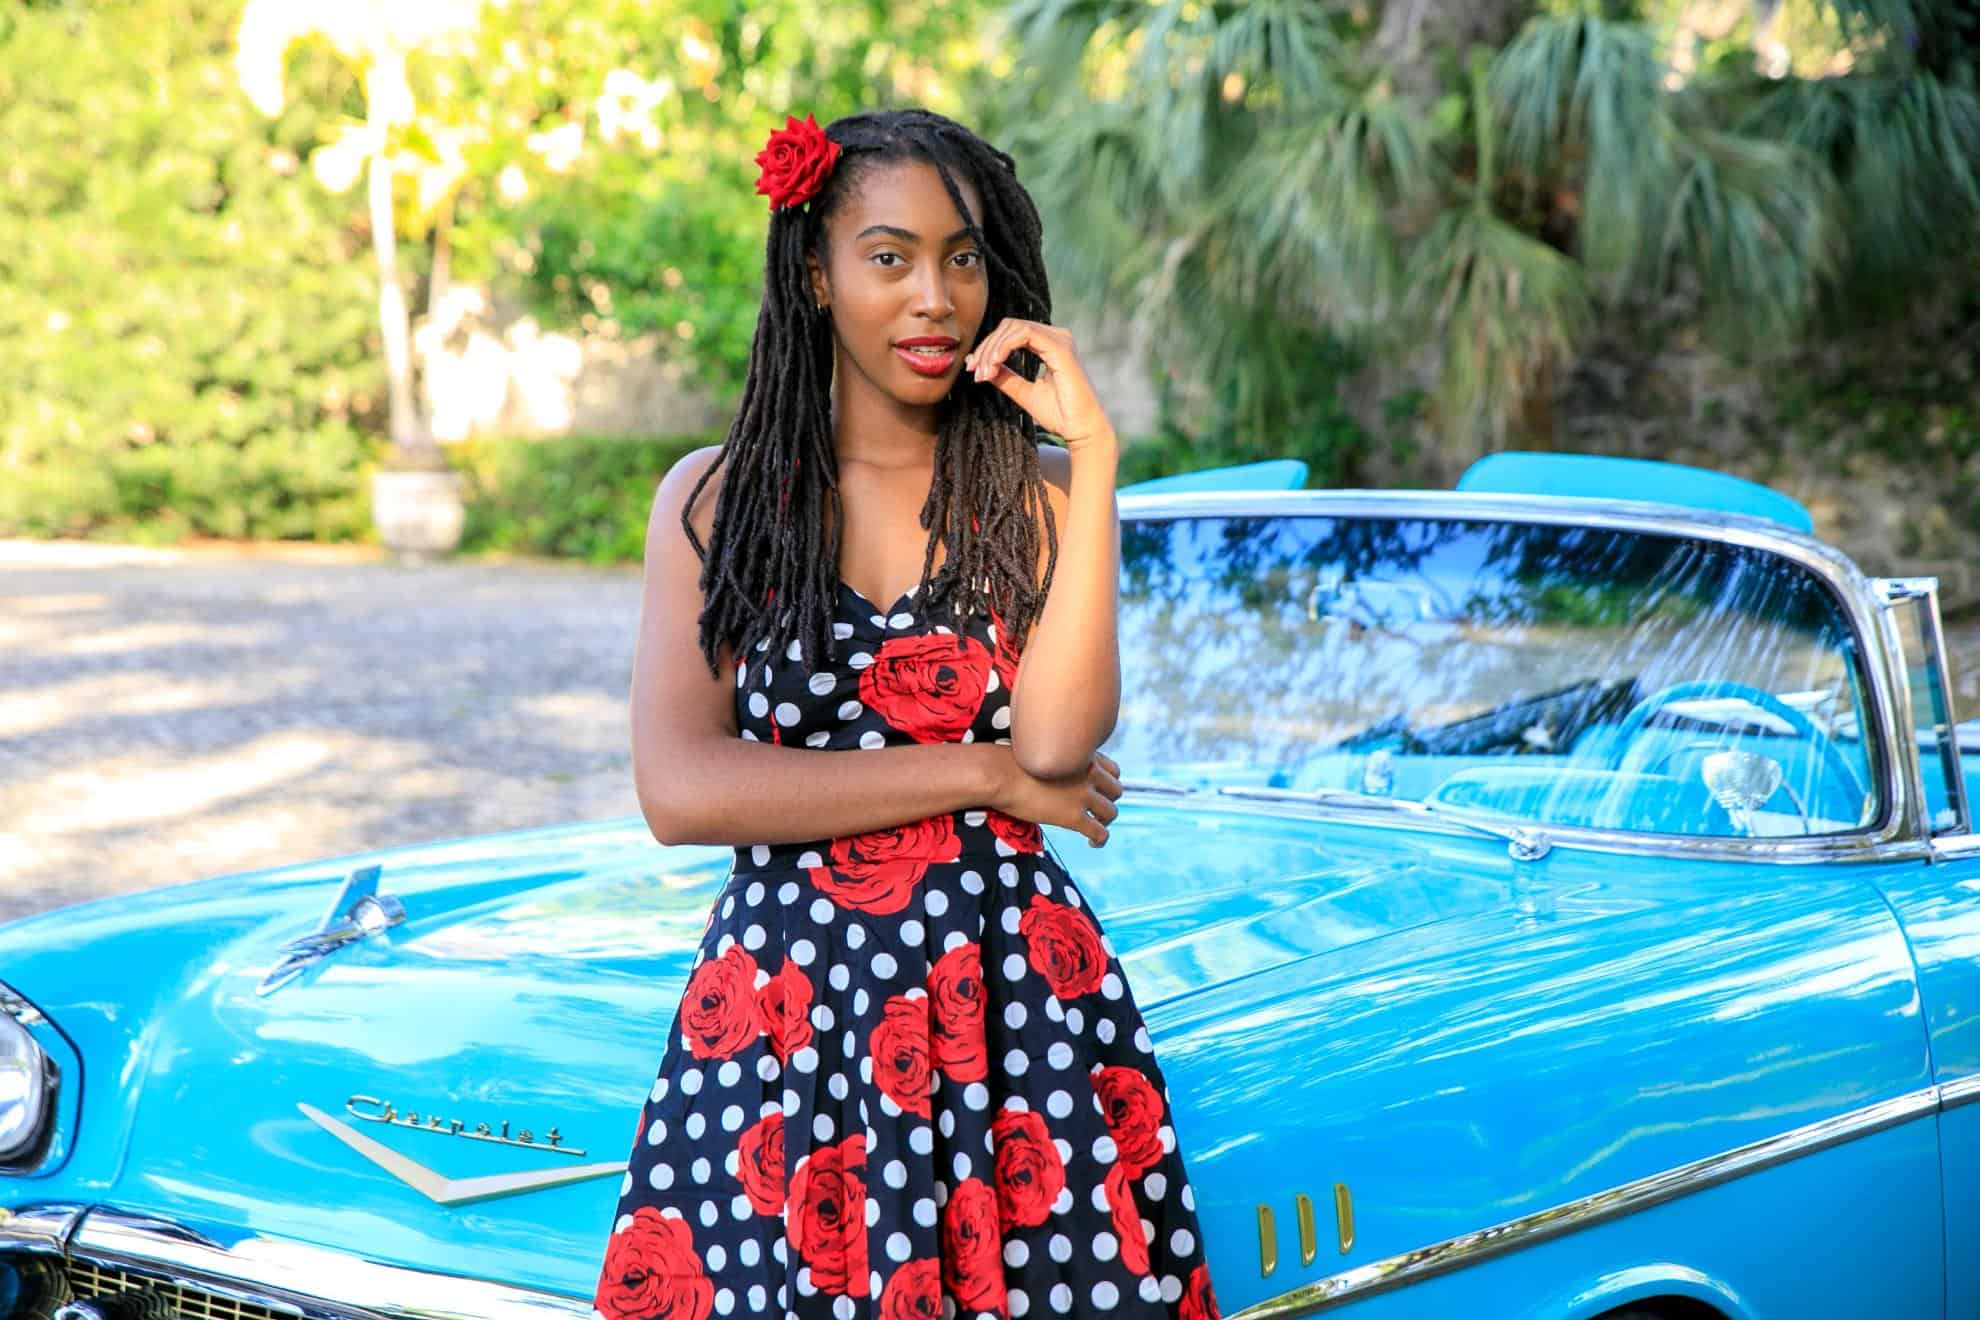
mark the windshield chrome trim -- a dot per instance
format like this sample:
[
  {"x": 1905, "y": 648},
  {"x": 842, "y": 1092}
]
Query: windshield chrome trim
[
  {"x": 1900, "y": 834},
  {"x": 1639, "y": 1194},
  {"x": 302, "y": 1278}
]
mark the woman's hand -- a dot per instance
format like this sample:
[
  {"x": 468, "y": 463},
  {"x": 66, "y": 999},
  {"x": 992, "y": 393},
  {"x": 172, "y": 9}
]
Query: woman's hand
[
  {"x": 1082, "y": 802},
  {"x": 1062, "y": 398}
]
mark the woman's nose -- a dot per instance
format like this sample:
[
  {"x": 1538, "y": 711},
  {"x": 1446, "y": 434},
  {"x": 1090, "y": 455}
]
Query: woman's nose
[{"x": 931, "y": 295}]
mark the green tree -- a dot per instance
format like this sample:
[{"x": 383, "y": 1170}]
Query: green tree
[{"x": 1255, "y": 176}]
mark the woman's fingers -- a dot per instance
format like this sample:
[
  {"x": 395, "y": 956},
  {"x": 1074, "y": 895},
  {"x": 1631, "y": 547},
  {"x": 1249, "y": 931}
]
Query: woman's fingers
[{"x": 1101, "y": 807}]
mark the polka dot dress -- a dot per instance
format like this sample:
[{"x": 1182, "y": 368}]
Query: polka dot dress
[{"x": 906, "y": 1078}]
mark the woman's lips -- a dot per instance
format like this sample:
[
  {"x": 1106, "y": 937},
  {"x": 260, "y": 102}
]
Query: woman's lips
[{"x": 926, "y": 362}]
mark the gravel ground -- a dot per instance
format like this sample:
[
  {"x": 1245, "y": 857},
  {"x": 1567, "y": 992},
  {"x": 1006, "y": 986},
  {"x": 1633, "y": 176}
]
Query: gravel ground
[{"x": 172, "y": 714}]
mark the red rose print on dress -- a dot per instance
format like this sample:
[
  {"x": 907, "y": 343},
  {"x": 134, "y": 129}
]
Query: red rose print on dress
[
  {"x": 898, "y": 1046},
  {"x": 1030, "y": 1175},
  {"x": 972, "y": 1249},
  {"x": 928, "y": 686},
  {"x": 652, "y": 1271},
  {"x": 955, "y": 991},
  {"x": 1134, "y": 1117},
  {"x": 826, "y": 1218},
  {"x": 718, "y": 1013},
  {"x": 784, "y": 1004},
  {"x": 1018, "y": 835},
  {"x": 877, "y": 871},
  {"x": 914, "y": 1293},
  {"x": 1064, "y": 947},
  {"x": 1127, "y": 1218},
  {"x": 1198, "y": 1302},
  {"x": 760, "y": 1164}
]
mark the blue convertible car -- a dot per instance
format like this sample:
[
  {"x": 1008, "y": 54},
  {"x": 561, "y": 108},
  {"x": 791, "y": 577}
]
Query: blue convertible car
[{"x": 1556, "y": 897}]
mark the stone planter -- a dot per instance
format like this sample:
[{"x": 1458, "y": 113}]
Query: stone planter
[{"x": 417, "y": 513}]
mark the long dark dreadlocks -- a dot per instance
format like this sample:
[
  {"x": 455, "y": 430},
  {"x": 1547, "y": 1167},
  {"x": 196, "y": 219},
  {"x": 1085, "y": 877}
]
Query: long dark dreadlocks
[{"x": 770, "y": 573}]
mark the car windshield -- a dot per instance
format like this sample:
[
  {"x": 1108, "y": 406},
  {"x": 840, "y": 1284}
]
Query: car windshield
[{"x": 1555, "y": 675}]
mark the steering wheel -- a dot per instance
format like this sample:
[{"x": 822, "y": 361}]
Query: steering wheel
[{"x": 1839, "y": 775}]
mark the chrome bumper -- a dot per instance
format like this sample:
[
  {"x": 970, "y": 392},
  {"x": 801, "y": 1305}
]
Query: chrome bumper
[{"x": 288, "y": 1278}]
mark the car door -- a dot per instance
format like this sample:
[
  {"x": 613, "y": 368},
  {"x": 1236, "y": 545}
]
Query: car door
[{"x": 1939, "y": 907}]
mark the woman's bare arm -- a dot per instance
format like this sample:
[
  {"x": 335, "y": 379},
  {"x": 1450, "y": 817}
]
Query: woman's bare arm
[
  {"x": 1068, "y": 691},
  {"x": 699, "y": 782}
]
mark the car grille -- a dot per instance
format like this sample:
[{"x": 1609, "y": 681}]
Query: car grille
[{"x": 138, "y": 1296}]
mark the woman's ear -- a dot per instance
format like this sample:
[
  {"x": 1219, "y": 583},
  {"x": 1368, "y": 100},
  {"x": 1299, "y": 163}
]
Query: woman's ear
[{"x": 821, "y": 288}]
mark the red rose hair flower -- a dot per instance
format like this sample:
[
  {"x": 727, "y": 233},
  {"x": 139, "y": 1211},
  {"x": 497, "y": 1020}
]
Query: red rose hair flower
[{"x": 795, "y": 163}]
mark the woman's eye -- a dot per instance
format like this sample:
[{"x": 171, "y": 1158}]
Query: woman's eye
[
  {"x": 970, "y": 258},
  {"x": 892, "y": 255}
]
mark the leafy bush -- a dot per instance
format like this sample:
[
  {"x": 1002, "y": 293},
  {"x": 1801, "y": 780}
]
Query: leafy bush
[{"x": 580, "y": 497}]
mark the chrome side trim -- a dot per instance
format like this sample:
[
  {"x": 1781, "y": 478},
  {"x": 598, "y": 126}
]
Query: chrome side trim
[
  {"x": 1901, "y": 833},
  {"x": 306, "y": 1280},
  {"x": 41, "y": 1228},
  {"x": 1960, "y": 1091},
  {"x": 1529, "y": 1230}
]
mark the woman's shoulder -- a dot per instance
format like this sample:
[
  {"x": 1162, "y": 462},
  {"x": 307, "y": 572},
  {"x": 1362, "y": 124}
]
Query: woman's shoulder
[{"x": 677, "y": 487}]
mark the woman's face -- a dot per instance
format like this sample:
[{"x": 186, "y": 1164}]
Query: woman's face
[{"x": 905, "y": 285}]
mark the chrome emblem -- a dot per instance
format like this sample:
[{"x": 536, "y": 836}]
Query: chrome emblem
[
  {"x": 383, "y": 1111},
  {"x": 453, "y": 1191}
]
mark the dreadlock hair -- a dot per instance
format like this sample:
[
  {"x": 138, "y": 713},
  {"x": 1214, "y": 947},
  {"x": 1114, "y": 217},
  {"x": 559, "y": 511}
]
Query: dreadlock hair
[{"x": 770, "y": 573}]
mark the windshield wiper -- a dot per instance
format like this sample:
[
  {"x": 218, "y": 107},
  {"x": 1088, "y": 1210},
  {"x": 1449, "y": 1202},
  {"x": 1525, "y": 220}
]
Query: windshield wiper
[{"x": 1525, "y": 843}]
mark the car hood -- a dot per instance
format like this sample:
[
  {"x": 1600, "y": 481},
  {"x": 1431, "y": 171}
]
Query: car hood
[{"x": 531, "y": 988}]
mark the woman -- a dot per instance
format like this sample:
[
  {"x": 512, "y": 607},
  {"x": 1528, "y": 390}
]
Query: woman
[{"x": 906, "y": 1070}]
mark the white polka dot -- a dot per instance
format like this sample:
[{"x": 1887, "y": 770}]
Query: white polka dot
[
  {"x": 1104, "y": 1029},
  {"x": 1103, "y": 1149},
  {"x": 1054, "y": 1010},
  {"x": 855, "y": 935},
  {"x": 1182, "y": 1242},
  {"x": 900, "y": 619},
  {"x": 767, "y": 1067},
  {"x": 850, "y": 710},
  {"x": 757, "y": 1298},
  {"x": 858, "y": 660},
  {"x": 821, "y": 1127},
  {"x": 656, "y": 1132},
  {"x": 725, "y": 1302},
  {"x": 1008, "y": 873},
  {"x": 732, "y": 1118},
  {"x": 1019, "y": 1301},
  {"x": 1105, "y": 1294},
  {"x": 742, "y": 672},
  {"x": 821, "y": 910},
  {"x": 749, "y": 735},
  {"x": 716, "y": 1257},
  {"x": 883, "y": 965},
  {"x": 805, "y": 1060},
  {"x": 842, "y": 1307},
  {"x": 1142, "y": 1042},
  {"x": 837, "y": 1085},
  {"x": 1061, "y": 1298},
  {"x": 787, "y": 714},
  {"x": 911, "y": 932},
  {"x": 895, "y": 1173},
  {"x": 1099, "y": 1199},
  {"x": 758, "y": 704},
  {"x": 700, "y": 1170},
  {"x": 695, "y": 1124},
  {"x": 659, "y": 1091},
  {"x": 842, "y": 630},
  {"x": 805, "y": 859},
  {"x": 802, "y": 952},
  {"x": 872, "y": 740},
  {"x": 822, "y": 1018},
  {"x": 952, "y": 940},
  {"x": 1154, "y": 1185},
  {"x": 860, "y": 1000},
  {"x": 1014, "y": 1015},
  {"x": 1016, "y": 1253},
  {"x": 729, "y": 1073},
  {"x": 924, "y": 1212},
  {"x": 1168, "y": 1137},
  {"x": 962, "y": 1162},
  {"x": 727, "y": 942},
  {"x": 839, "y": 977},
  {"x": 898, "y": 1246},
  {"x": 1105, "y": 1245},
  {"x": 1060, "y": 1055},
  {"x": 920, "y": 1139},
  {"x": 626, "y": 1183},
  {"x": 661, "y": 1176},
  {"x": 1013, "y": 966},
  {"x": 946, "y": 1121},
  {"x": 818, "y": 739},
  {"x": 749, "y": 1252},
  {"x": 822, "y": 683},
  {"x": 1188, "y": 1195},
  {"x": 1043, "y": 882},
  {"x": 1016, "y": 1062},
  {"x": 753, "y": 938},
  {"x": 971, "y": 882},
  {"x": 976, "y": 1095},
  {"x": 788, "y": 891},
  {"x": 936, "y": 902},
  {"x": 1058, "y": 1104},
  {"x": 1075, "y": 1020},
  {"x": 1064, "y": 1148},
  {"x": 1010, "y": 920},
  {"x": 1150, "y": 1290},
  {"x": 1000, "y": 718},
  {"x": 1171, "y": 1287},
  {"x": 1110, "y": 986}
]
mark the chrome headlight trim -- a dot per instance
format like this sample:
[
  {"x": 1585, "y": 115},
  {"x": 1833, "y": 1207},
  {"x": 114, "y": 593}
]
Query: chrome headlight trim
[{"x": 29, "y": 1081}]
